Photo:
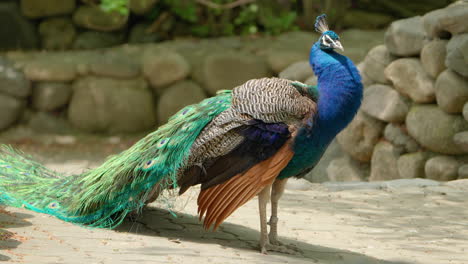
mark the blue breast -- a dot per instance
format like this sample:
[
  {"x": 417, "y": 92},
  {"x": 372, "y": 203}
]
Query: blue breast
[{"x": 340, "y": 95}]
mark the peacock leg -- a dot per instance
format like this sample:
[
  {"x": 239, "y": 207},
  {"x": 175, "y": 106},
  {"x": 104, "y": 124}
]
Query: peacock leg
[
  {"x": 263, "y": 198},
  {"x": 277, "y": 191},
  {"x": 265, "y": 245}
]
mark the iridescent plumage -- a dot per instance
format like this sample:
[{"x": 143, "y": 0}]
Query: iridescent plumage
[
  {"x": 102, "y": 197},
  {"x": 238, "y": 144}
]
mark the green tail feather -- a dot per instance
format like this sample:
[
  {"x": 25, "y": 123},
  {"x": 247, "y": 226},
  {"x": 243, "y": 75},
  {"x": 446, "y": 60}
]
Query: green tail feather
[{"x": 102, "y": 197}]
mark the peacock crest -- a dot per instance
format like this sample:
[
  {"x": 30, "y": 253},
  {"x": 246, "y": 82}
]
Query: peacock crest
[{"x": 321, "y": 25}]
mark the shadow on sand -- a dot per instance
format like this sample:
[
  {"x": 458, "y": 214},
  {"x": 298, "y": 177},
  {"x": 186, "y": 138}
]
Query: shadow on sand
[
  {"x": 158, "y": 222},
  {"x": 9, "y": 239}
]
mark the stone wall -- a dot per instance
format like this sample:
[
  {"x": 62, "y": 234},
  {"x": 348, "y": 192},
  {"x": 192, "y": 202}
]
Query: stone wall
[
  {"x": 75, "y": 24},
  {"x": 69, "y": 24},
  {"x": 413, "y": 122},
  {"x": 134, "y": 88}
]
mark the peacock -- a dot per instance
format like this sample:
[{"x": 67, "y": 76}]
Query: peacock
[{"x": 237, "y": 144}]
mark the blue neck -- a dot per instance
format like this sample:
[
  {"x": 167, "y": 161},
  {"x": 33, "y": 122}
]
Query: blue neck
[
  {"x": 340, "y": 90},
  {"x": 340, "y": 95}
]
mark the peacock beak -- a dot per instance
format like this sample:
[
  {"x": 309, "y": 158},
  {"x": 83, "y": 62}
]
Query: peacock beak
[{"x": 337, "y": 45}]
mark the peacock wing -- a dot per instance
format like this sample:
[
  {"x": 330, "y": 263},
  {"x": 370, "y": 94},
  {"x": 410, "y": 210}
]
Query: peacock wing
[
  {"x": 245, "y": 147},
  {"x": 221, "y": 200}
]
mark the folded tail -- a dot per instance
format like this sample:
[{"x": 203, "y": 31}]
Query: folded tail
[
  {"x": 102, "y": 197},
  {"x": 94, "y": 198}
]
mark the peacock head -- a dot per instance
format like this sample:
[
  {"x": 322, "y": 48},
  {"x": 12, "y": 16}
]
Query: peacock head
[{"x": 329, "y": 40}]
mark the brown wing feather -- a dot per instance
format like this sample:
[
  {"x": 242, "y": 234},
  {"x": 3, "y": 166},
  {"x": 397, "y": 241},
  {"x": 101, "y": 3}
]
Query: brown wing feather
[
  {"x": 220, "y": 201},
  {"x": 209, "y": 196},
  {"x": 216, "y": 209}
]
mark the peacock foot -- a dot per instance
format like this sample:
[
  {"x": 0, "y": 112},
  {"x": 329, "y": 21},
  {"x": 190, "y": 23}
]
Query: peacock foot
[
  {"x": 277, "y": 248},
  {"x": 273, "y": 238}
]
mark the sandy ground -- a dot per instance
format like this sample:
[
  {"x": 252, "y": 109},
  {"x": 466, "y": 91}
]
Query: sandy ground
[{"x": 409, "y": 221}]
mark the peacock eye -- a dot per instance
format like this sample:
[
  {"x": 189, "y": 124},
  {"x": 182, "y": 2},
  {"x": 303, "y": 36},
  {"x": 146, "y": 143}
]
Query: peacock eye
[{"x": 148, "y": 164}]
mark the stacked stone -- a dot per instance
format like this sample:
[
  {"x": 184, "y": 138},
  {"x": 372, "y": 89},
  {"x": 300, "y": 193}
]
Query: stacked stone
[
  {"x": 132, "y": 88},
  {"x": 413, "y": 122},
  {"x": 66, "y": 24}
]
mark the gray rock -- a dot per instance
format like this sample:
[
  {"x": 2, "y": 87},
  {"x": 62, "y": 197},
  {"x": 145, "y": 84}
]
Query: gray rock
[
  {"x": 319, "y": 173},
  {"x": 375, "y": 63},
  {"x": 20, "y": 32},
  {"x": 289, "y": 43},
  {"x": 463, "y": 172},
  {"x": 433, "y": 57},
  {"x": 451, "y": 92},
  {"x": 451, "y": 19},
  {"x": 50, "y": 70},
  {"x": 115, "y": 66},
  {"x": 176, "y": 97},
  {"x": 365, "y": 79},
  {"x": 411, "y": 165},
  {"x": 278, "y": 60},
  {"x": 434, "y": 129},
  {"x": 384, "y": 163},
  {"x": 384, "y": 103},
  {"x": 139, "y": 34},
  {"x": 461, "y": 139},
  {"x": 93, "y": 17},
  {"x": 442, "y": 168},
  {"x": 465, "y": 111},
  {"x": 48, "y": 96},
  {"x": 110, "y": 105},
  {"x": 409, "y": 78},
  {"x": 141, "y": 7},
  {"x": 57, "y": 33},
  {"x": 12, "y": 81},
  {"x": 10, "y": 110},
  {"x": 79, "y": 59},
  {"x": 457, "y": 54},
  {"x": 45, "y": 8},
  {"x": 227, "y": 70},
  {"x": 49, "y": 123},
  {"x": 405, "y": 37},
  {"x": 298, "y": 71},
  {"x": 360, "y": 137},
  {"x": 115, "y": 70},
  {"x": 164, "y": 68},
  {"x": 312, "y": 80},
  {"x": 399, "y": 138},
  {"x": 358, "y": 42},
  {"x": 344, "y": 169},
  {"x": 364, "y": 19},
  {"x": 97, "y": 40}
]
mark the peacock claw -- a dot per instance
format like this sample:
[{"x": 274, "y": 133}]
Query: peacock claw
[{"x": 276, "y": 248}]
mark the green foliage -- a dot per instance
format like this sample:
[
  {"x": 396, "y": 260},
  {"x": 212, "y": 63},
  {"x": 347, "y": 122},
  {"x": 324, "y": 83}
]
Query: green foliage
[
  {"x": 214, "y": 18},
  {"x": 276, "y": 24},
  {"x": 247, "y": 19},
  {"x": 120, "y": 6},
  {"x": 186, "y": 10}
]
